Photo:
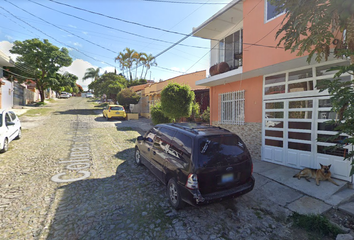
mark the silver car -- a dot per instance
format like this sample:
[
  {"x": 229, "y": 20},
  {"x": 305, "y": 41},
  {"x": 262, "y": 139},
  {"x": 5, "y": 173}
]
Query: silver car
[{"x": 10, "y": 128}]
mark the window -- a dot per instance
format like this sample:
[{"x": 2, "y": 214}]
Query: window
[
  {"x": 182, "y": 146},
  {"x": 270, "y": 11},
  {"x": 232, "y": 107},
  {"x": 230, "y": 49}
]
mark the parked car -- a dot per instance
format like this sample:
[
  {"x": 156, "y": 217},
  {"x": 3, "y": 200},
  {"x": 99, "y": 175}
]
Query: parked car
[
  {"x": 10, "y": 129},
  {"x": 64, "y": 95},
  {"x": 199, "y": 164},
  {"x": 89, "y": 95},
  {"x": 114, "y": 111}
]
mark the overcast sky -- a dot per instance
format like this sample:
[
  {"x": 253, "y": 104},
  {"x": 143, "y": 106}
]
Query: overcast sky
[{"x": 95, "y": 31}]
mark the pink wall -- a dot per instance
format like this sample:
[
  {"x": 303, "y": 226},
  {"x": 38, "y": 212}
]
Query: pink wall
[
  {"x": 253, "y": 98},
  {"x": 256, "y": 31}
]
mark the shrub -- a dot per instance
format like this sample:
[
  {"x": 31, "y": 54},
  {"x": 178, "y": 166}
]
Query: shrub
[
  {"x": 206, "y": 115},
  {"x": 316, "y": 223},
  {"x": 157, "y": 116}
]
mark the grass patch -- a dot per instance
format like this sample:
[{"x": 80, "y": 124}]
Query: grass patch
[
  {"x": 38, "y": 112},
  {"x": 38, "y": 104},
  {"x": 317, "y": 224}
]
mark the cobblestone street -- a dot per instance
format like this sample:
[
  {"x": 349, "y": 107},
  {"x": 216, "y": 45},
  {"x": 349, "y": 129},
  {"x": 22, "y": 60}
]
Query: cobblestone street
[{"x": 115, "y": 199}]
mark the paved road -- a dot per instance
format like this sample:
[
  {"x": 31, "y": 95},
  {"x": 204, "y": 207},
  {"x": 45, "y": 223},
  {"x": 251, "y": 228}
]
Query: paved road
[{"x": 40, "y": 197}]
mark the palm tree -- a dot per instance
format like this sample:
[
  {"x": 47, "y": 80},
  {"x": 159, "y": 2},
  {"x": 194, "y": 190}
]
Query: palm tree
[
  {"x": 150, "y": 62},
  {"x": 129, "y": 55},
  {"x": 143, "y": 57},
  {"x": 121, "y": 58},
  {"x": 92, "y": 73}
]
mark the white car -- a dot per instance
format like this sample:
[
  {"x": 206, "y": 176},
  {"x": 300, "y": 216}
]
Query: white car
[
  {"x": 64, "y": 95},
  {"x": 10, "y": 128},
  {"x": 89, "y": 95}
]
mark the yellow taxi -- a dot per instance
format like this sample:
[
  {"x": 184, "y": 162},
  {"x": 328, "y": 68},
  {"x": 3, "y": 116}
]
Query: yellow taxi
[{"x": 114, "y": 111}]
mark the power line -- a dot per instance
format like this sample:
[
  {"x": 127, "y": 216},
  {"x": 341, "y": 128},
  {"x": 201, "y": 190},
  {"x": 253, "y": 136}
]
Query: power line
[
  {"x": 63, "y": 29},
  {"x": 179, "y": 2},
  {"x": 119, "y": 19},
  {"x": 53, "y": 37},
  {"x": 17, "y": 74},
  {"x": 112, "y": 28}
]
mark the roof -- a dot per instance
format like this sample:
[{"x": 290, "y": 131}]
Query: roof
[
  {"x": 221, "y": 22},
  {"x": 138, "y": 88}
]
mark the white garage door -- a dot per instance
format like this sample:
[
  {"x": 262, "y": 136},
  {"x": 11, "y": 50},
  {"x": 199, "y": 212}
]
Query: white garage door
[{"x": 295, "y": 122}]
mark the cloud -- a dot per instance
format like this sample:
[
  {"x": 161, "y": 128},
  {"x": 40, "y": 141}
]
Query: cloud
[
  {"x": 78, "y": 67},
  {"x": 72, "y": 26},
  {"x": 5, "y": 47},
  {"x": 77, "y": 44},
  {"x": 8, "y": 37},
  {"x": 178, "y": 69},
  {"x": 106, "y": 69}
]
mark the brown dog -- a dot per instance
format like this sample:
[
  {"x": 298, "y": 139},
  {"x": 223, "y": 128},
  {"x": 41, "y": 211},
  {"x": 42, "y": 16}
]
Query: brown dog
[{"x": 321, "y": 174}]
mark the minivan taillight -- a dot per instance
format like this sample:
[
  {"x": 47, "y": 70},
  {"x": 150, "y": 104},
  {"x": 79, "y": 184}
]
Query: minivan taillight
[{"x": 192, "y": 181}]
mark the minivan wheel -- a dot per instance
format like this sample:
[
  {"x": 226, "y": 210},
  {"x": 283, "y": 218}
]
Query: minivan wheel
[
  {"x": 137, "y": 157},
  {"x": 174, "y": 194},
  {"x": 6, "y": 146}
]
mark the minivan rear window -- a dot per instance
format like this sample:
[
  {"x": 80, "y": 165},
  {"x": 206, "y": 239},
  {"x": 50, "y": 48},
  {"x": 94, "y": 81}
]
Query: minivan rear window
[{"x": 219, "y": 150}]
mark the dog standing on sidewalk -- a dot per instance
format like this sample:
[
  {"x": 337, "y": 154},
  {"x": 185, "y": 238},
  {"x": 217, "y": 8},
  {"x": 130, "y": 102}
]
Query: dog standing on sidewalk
[{"x": 321, "y": 174}]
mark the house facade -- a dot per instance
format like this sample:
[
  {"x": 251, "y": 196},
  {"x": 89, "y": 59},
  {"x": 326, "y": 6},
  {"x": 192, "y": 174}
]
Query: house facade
[
  {"x": 151, "y": 93},
  {"x": 6, "y": 87},
  {"x": 267, "y": 95}
]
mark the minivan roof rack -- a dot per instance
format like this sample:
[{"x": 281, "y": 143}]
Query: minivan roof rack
[{"x": 194, "y": 127}]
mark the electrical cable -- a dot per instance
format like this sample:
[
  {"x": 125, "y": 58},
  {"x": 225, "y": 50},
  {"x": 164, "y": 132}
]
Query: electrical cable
[
  {"x": 179, "y": 2},
  {"x": 17, "y": 74},
  {"x": 55, "y": 38},
  {"x": 112, "y": 28},
  {"x": 62, "y": 28},
  {"x": 119, "y": 19}
]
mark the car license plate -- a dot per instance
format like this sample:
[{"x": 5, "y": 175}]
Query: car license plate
[
  {"x": 227, "y": 178},
  {"x": 118, "y": 113}
]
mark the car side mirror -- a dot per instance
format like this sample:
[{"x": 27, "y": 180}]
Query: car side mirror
[{"x": 10, "y": 124}]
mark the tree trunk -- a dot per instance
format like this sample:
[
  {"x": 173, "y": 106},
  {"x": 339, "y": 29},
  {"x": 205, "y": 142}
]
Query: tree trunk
[{"x": 41, "y": 93}]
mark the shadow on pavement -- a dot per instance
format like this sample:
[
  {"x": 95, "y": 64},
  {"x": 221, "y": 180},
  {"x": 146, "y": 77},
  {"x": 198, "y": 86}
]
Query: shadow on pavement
[
  {"x": 116, "y": 207},
  {"x": 77, "y": 112}
]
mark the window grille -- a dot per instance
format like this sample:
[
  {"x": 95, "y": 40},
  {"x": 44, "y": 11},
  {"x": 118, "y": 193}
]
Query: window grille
[{"x": 232, "y": 108}]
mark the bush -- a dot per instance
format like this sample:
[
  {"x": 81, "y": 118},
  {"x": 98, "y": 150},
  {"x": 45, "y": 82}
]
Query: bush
[
  {"x": 206, "y": 115},
  {"x": 126, "y": 97},
  {"x": 317, "y": 224},
  {"x": 157, "y": 116}
]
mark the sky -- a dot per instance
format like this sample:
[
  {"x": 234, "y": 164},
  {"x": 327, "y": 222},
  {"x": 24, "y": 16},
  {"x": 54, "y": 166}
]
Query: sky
[{"x": 95, "y": 31}]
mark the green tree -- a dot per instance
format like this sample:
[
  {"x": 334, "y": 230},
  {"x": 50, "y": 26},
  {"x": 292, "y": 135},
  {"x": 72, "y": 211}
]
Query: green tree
[
  {"x": 43, "y": 58},
  {"x": 127, "y": 96},
  {"x": 92, "y": 73},
  {"x": 313, "y": 27},
  {"x": 109, "y": 84},
  {"x": 177, "y": 101},
  {"x": 63, "y": 82}
]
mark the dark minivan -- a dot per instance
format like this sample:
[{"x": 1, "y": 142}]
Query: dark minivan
[{"x": 199, "y": 164}]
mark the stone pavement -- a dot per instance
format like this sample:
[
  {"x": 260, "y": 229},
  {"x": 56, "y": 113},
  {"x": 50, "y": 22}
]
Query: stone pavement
[
  {"x": 275, "y": 196},
  {"x": 296, "y": 195}
]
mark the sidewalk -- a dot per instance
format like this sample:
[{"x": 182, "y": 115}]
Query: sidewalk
[{"x": 302, "y": 196}]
